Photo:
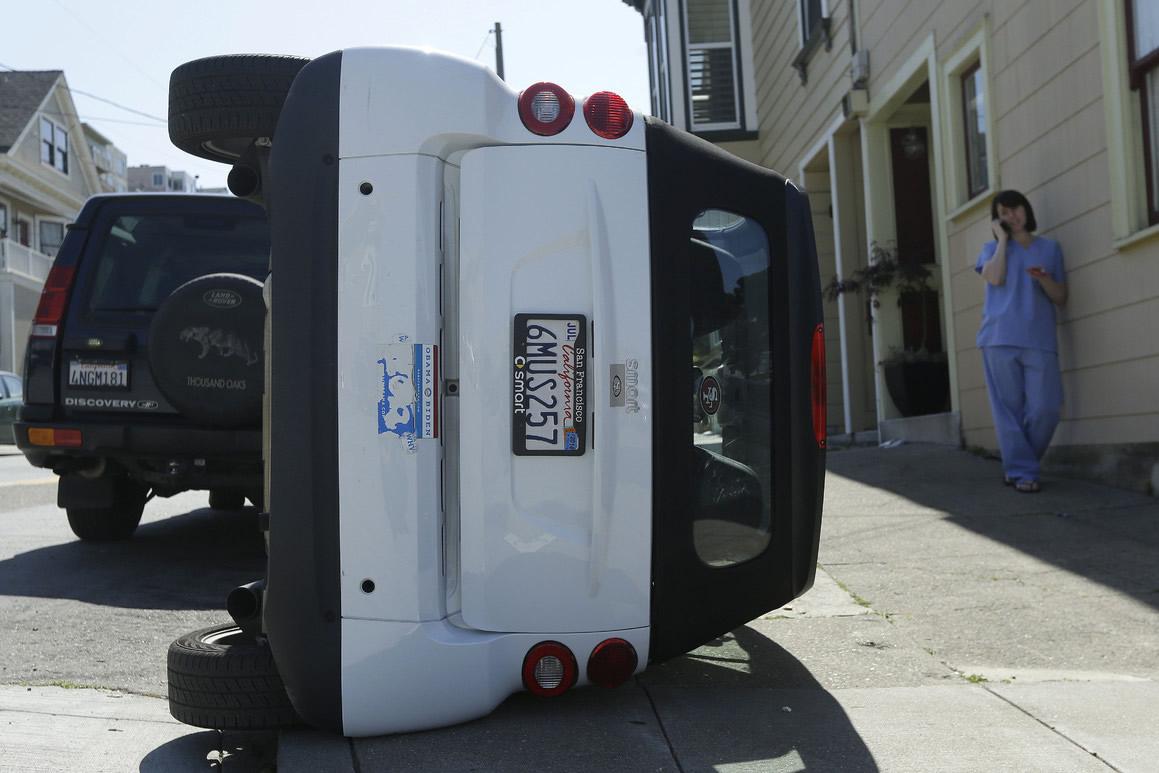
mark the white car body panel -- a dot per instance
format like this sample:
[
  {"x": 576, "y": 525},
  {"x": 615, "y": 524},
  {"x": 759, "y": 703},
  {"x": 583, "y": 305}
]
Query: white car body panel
[
  {"x": 413, "y": 100},
  {"x": 569, "y": 561},
  {"x": 397, "y": 676},
  {"x": 388, "y": 286},
  {"x": 553, "y": 544}
]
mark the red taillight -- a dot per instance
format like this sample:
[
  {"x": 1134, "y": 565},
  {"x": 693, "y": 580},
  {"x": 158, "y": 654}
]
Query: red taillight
[
  {"x": 612, "y": 663},
  {"x": 608, "y": 115},
  {"x": 549, "y": 669},
  {"x": 53, "y": 300},
  {"x": 48, "y": 436},
  {"x": 817, "y": 384},
  {"x": 546, "y": 108}
]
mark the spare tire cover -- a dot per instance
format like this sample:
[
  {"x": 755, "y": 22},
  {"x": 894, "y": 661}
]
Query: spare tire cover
[{"x": 205, "y": 350}]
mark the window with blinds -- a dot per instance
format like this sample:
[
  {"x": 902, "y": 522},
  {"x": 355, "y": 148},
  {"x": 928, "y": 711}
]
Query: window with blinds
[{"x": 712, "y": 71}]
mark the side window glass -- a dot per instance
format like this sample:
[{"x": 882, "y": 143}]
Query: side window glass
[
  {"x": 15, "y": 388},
  {"x": 732, "y": 388}
]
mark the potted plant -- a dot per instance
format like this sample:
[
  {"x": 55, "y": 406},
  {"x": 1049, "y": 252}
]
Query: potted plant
[{"x": 916, "y": 373}]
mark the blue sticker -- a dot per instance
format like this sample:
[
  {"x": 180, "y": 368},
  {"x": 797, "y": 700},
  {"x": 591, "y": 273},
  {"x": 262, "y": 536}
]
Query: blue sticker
[{"x": 396, "y": 409}]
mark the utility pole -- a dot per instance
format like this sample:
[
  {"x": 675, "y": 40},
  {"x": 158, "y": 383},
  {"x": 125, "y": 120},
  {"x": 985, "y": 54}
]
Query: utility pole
[{"x": 499, "y": 50}]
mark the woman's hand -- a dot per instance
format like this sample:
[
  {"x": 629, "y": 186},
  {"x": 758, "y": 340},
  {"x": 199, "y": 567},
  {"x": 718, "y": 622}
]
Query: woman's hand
[
  {"x": 999, "y": 230},
  {"x": 1056, "y": 291}
]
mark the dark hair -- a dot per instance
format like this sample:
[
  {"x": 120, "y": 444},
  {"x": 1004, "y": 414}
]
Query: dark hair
[{"x": 1011, "y": 199}]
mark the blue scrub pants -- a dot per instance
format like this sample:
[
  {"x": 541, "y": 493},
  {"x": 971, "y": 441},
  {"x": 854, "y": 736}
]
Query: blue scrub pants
[{"x": 1026, "y": 399}]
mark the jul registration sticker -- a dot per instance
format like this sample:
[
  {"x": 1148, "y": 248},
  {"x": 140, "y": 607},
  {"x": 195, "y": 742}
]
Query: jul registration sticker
[{"x": 549, "y": 385}]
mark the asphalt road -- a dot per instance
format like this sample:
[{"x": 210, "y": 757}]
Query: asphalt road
[
  {"x": 15, "y": 470},
  {"x": 103, "y": 614}
]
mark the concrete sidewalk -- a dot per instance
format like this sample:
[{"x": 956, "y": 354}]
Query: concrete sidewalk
[{"x": 955, "y": 625}]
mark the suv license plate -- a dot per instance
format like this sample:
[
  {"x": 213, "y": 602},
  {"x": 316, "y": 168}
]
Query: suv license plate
[
  {"x": 98, "y": 375},
  {"x": 549, "y": 385}
]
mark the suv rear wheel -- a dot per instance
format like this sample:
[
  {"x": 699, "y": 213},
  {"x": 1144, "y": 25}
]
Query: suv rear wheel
[{"x": 117, "y": 520}]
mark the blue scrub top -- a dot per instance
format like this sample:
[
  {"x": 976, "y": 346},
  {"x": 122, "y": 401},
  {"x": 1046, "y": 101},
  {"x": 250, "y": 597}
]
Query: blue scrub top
[{"x": 1019, "y": 313}]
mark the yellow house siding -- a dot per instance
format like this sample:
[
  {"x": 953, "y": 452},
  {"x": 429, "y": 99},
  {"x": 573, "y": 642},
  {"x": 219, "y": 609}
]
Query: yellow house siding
[
  {"x": 1104, "y": 430},
  {"x": 793, "y": 116},
  {"x": 1046, "y": 87},
  {"x": 1050, "y": 137},
  {"x": 1104, "y": 338},
  {"x": 895, "y": 32}
]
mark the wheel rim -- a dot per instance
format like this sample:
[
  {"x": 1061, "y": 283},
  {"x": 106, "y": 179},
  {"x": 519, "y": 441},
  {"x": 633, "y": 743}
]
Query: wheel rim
[{"x": 224, "y": 636}]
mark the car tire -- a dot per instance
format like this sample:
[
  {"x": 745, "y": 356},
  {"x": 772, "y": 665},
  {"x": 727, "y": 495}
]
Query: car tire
[
  {"x": 226, "y": 499},
  {"x": 115, "y": 522},
  {"x": 219, "y": 105},
  {"x": 205, "y": 350},
  {"x": 224, "y": 679}
]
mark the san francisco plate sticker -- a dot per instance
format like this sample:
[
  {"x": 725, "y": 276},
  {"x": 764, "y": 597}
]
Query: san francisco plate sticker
[{"x": 549, "y": 385}]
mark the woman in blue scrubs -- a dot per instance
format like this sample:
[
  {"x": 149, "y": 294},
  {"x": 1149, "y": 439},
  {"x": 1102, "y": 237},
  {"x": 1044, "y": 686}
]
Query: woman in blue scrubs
[{"x": 1025, "y": 281}]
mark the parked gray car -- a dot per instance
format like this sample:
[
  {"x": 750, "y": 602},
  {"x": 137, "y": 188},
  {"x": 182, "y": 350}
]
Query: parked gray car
[{"x": 11, "y": 395}]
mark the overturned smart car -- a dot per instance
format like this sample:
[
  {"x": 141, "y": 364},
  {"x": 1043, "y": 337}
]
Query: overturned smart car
[{"x": 546, "y": 391}]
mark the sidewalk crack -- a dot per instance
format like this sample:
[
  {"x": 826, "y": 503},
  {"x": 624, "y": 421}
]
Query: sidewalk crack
[
  {"x": 1054, "y": 730},
  {"x": 354, "y": 763},
  {"x": 660, "y": 722}
]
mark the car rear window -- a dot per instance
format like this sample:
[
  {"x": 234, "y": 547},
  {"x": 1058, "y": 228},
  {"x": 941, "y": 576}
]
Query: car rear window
[
  {"x": 145, "y": 257},
  {"x": 732, "y": 391}
]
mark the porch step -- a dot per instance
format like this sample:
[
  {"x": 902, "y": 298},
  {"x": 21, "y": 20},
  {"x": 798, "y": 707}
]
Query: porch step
[
  {"x": 866, "y": 438},
  {"x": 940, "y": 428}
]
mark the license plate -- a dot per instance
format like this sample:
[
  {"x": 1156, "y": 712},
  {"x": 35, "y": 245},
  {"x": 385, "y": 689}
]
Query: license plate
[
  {"x": 98, "y": 375},
  {"x": 549, "y": 385}
]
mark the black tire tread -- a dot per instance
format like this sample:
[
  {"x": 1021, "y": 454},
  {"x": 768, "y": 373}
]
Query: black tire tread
[
  {"x": 117, "y": 522},
  {"x": 237, "y": 96},
  {"x": 232, "y": 686}
]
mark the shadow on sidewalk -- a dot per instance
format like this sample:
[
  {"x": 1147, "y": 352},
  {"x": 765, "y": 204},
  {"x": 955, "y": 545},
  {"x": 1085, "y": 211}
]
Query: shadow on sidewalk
[
  {"x": 1107, "y": 535},
  {"x": 188, "y": 561},
  {"x": 236, "y": 751},
  {"x": 743, "y": 700}
]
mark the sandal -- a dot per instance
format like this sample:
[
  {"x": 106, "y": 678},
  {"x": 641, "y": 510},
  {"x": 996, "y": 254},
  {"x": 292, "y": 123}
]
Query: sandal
[{"x": 1027, "y": 486}]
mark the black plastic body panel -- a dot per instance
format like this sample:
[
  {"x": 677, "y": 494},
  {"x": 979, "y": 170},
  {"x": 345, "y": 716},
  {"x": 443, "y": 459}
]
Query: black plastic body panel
[
  {"x": 302, "y": 608},
  {"x": 692, "y": 602}
]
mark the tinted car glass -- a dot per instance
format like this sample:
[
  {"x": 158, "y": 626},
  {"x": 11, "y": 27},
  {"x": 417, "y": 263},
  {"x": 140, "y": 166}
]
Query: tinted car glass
[
  {"x": 731, "y": 361},
  {"x": 145, "y": 257}
]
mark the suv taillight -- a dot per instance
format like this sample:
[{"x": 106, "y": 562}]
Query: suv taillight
[{"x": 53, "y": 301}]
